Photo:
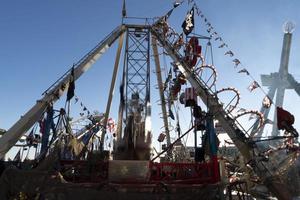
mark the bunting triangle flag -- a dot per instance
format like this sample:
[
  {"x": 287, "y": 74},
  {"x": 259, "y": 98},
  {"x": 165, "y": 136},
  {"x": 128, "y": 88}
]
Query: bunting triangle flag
[
  {"x": 236, "y": 62},
  {"x": 266, "y": 102},
  {"x": 253, "y": 86},
  {"x": 230, "y": 53},
  {"x": 244, "y": 71}
]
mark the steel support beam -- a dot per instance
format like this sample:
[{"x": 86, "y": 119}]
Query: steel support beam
[{"x": 54, "y": 92}]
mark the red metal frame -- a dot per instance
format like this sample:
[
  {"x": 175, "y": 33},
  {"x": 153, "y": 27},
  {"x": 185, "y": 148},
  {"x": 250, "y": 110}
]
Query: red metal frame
[
  {"x": 167, "y": 172},
  {"x": 192, "y": 173}
]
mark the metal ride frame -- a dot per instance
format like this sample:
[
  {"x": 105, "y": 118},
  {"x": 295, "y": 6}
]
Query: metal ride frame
[{"x": 235, "y": 132}]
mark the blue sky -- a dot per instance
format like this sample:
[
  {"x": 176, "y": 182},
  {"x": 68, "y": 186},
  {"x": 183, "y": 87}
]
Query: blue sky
[{"x": 40, "y": 40}]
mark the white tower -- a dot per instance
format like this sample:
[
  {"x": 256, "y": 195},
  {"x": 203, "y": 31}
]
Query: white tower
[{"x": 280, "y": 81}]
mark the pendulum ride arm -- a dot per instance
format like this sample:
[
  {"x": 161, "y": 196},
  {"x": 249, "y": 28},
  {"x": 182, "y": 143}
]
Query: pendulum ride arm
[
  {"x": 161, "y": 91},
  {"x": 208, "y": 98},
  {"x": 10, "y": 138},
  {"x": 229, "y": 125},
  {"x": 112, "y": 88}
]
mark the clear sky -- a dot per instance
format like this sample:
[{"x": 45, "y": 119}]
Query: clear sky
[{"x": 40, "y": 40}]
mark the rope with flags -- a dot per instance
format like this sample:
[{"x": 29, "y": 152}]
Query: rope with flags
[
  {"x": 84, "y": 108},
  {"x": 228, "y": 52}
]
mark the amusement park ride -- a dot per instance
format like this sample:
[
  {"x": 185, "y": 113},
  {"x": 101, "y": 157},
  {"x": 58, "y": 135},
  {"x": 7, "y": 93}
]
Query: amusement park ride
[{"x": 132, "y": 164}]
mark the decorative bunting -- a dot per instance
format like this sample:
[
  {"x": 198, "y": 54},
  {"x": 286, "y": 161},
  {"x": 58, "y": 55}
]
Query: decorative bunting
[
  {"x": 198, "y": 11},
  {"x": 253, "y": 86},
  {"x": 218, "y": 38},
  {"x": 84, "y": 108},
  {"x": 230, "y": 53},
  {"x": 267, "y": 102},
  {"x": 244, "y": 71},
  {"x": 222, "y": 45},
  {"x": 236, "y": 62}
]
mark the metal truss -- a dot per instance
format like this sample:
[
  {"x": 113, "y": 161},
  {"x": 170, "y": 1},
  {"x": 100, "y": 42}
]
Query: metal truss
[{"x": 137, "y": 64}]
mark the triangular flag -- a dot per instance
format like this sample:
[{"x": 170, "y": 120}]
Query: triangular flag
[
  {"x": 266, "y": 102},
  {"x": 236, "y": 62},
  {"x": 253, "y": 86},
  {"x": 230, "y": 53},
  {"x": 209, "y": 29},
  {"x": 244, "y": 71},
  {"x": 188, "y": 24},
  {"x": 198, "y": 11},
  {"x": 222, "y": 45}
]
